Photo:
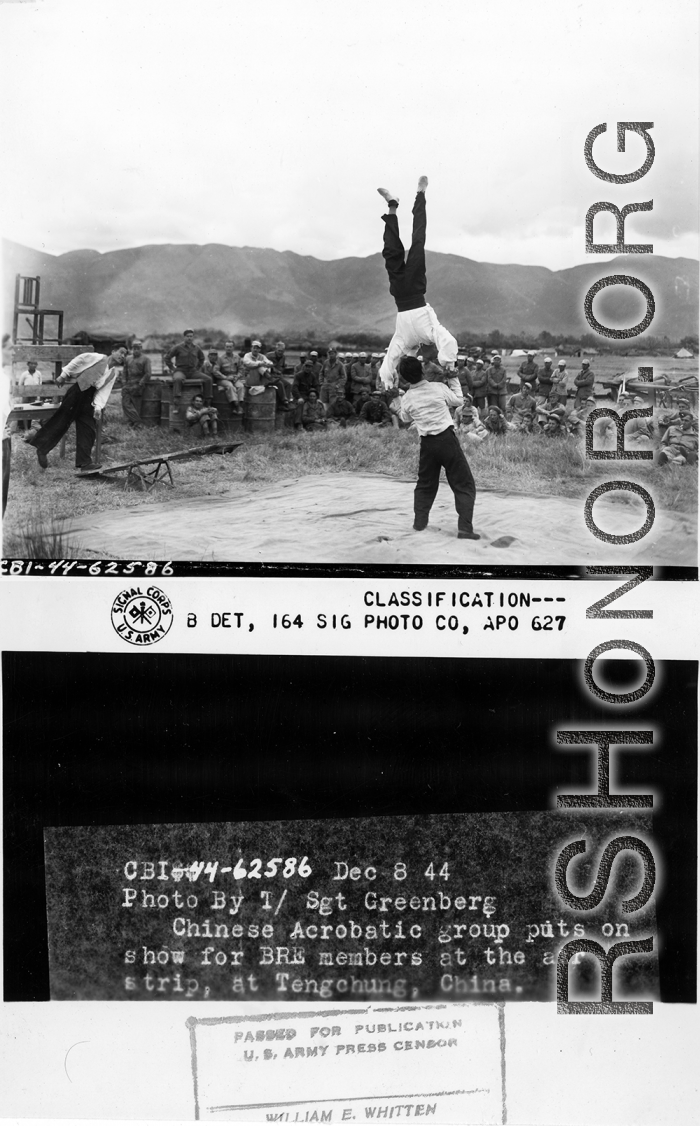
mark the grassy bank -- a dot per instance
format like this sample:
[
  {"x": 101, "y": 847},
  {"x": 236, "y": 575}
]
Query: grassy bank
[{"x": 532, "y": 465}]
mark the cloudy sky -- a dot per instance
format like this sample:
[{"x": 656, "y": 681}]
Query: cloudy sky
[{"x": 271, "y": 123}]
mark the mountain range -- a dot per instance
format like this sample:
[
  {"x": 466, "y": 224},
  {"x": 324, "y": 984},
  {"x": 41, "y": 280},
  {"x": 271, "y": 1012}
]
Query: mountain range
[{"x": 243, "y": 290}]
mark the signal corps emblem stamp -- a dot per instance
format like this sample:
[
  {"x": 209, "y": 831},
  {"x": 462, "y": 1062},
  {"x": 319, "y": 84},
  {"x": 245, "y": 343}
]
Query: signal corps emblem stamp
[{"x": 142, "y": 617}]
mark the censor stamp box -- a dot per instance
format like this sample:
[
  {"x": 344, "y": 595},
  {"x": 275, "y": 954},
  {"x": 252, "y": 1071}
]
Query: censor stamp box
[{"x": 351, "y": 1065}]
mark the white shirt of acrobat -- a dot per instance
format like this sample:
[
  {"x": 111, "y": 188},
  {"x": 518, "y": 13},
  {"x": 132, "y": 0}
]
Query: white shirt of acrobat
[{"x": 427, "y": 405}]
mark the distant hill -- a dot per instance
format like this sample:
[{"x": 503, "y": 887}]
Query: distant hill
[{"x": 158, "y": 289}]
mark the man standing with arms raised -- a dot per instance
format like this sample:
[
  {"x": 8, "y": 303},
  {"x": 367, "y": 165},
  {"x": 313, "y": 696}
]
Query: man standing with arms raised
[{"x": 427, "y": 406}]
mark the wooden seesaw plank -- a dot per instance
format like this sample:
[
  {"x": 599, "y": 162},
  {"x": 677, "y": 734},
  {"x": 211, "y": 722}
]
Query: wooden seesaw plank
[{"x": 148, "y": 478}]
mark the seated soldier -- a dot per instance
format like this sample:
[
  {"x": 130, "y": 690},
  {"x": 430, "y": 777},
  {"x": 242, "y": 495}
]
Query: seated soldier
[
  {"x": 479, "y": 433},
  {"x": 184, "y": 361},
  {"x": 523, "y": 406},
  {"x": 278, "y": 359},
  {"x": 576, "y": 422},
  {"x": 641, "y": 432},
  {"x": 392, "y": 398},
  {"x": 468, "y": 419},
  {"x": 305, "y": 381},
  {"x": 229, "y": 366},
  {"x": 551, "y": 417},
  {"x": 680, "y": 442},
  {"x": 259, "y": 374},
  {"x": 341, "y": 413},
  {"x": 495, "y": 422},
  {"x": 212, "y": 368},
  {"x": 671, "y": 416},
  {"x": 201, "y": 417},
  {"x": 375, "y": 411},
  {"x": 255, "y": 366},
  {"x": 313, "y": 413},
  {"x": 360, "y": 399},
  {"x": 466, "y": 416}
]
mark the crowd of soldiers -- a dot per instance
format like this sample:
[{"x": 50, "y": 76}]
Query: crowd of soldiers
[
  {"x": 541, "y": 405},
  {"x": 340, "y": 389}
]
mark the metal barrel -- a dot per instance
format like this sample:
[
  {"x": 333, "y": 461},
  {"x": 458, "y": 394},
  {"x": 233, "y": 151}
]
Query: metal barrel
[
  {"x": 285, "y": 419},
  {"x": 165, "y": 414},
  {"x": 150, "y": 403},
  {"x": 260, "y": 412},
  {"x": 229, "y": 421}
]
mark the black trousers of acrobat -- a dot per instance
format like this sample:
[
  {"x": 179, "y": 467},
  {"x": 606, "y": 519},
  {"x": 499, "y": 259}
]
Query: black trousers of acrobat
[
  {"x": 439, "y": 451},
  {"x": 76, "y": 407},
  {"x": 407, "y": 275}
]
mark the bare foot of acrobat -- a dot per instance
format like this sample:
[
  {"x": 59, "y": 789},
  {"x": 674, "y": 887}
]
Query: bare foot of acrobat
[{"x": 422, "y": 183}]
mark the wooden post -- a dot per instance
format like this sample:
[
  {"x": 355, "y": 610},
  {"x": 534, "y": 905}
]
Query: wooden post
[{"x": 98, "y": 441}]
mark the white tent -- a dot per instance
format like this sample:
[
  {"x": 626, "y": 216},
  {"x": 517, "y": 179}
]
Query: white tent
[{"x": 684, "y": 354}]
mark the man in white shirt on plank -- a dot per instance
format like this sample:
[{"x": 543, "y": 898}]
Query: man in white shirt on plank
[
  {"x": 427, "y": 406},
  {"x": 94, "y": 376}
]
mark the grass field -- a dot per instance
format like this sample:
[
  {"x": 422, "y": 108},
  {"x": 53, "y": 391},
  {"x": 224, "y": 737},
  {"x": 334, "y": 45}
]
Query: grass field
[{"x": 529, "y": 465}]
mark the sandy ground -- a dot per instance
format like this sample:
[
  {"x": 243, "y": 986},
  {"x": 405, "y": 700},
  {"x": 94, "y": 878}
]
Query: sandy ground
[{"x": 359, "y": 518}]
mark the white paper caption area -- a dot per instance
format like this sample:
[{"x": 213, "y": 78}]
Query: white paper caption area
[{"x": 352, "y": 617}]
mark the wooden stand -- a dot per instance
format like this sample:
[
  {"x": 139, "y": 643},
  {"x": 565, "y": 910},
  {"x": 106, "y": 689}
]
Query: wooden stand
[
  {"x": 27, "y": 308},
  {"x": 57, "y": 354}
]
